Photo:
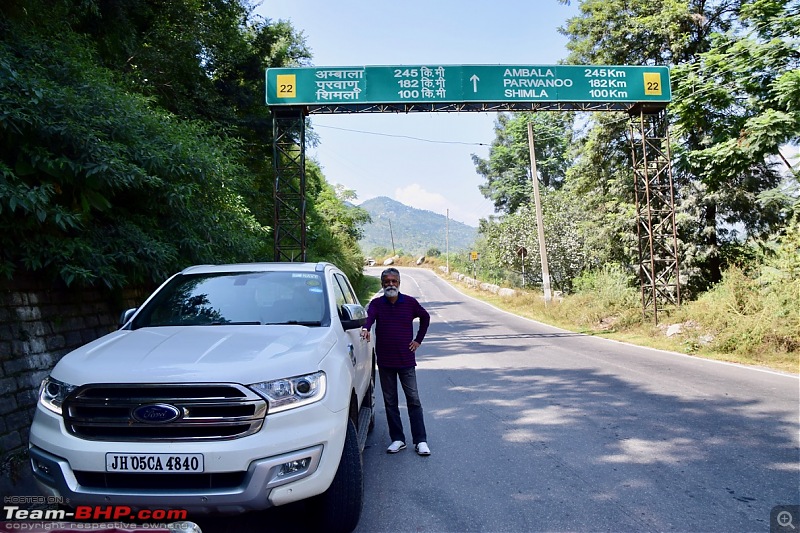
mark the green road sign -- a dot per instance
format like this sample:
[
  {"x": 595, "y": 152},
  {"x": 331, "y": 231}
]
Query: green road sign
[{"x": 466, "y": 83}]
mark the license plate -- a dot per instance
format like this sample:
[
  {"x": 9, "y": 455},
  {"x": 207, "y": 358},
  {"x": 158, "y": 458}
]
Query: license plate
[{"x": 174, "y": 463}]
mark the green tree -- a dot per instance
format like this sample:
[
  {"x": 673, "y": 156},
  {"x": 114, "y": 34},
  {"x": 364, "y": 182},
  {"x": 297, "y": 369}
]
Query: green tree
[
  {"x": 736, "y": 106},
  {"x": 334, "y": 225},
  {"x": 433, "y": 252},
  {"x": 507, "y": 170},
  {"x": 601, "y": 180},
  {"x": 514, "y": 239}
]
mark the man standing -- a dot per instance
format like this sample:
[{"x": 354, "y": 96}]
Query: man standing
[{"x": 393, "y": 315}]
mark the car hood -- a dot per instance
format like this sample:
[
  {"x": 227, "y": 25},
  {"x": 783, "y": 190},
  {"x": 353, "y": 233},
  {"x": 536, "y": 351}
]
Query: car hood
[{"x": 239, "y": 354}]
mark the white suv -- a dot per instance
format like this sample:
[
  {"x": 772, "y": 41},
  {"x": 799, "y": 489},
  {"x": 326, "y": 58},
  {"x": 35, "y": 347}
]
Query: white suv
[{"x": 232, "y": 388}]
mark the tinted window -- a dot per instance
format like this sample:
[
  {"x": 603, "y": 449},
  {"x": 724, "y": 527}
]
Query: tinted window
[
  {"x": 338, "y": 294},
  {"x": 347, "y": 290}
]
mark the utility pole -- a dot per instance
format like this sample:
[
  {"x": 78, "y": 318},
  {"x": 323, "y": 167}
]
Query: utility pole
[
  {"x": 447, "y": 240},
  {"x": 392, "y": 235},
  {"x": 539, "y": 221}
]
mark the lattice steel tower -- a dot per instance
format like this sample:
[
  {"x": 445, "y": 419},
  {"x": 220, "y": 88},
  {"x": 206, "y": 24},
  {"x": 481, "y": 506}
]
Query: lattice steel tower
[{"x": 659, "y": 272}]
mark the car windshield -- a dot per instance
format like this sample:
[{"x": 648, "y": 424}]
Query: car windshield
[{"x": 238, "y": 298}]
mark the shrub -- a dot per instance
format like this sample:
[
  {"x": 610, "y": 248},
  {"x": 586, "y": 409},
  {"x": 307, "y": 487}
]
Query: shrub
[{"x": 756, "y": 311}]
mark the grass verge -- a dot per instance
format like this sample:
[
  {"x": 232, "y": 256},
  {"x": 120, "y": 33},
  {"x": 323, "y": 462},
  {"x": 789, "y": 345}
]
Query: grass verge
[{"x": 725, "y": 325}]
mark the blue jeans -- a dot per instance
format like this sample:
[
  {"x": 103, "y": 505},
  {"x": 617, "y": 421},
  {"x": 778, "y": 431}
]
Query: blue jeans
[{"x": 408, "y": 379}]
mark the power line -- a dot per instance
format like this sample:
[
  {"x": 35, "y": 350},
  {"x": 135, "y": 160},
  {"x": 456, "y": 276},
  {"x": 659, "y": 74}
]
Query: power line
[{"x": 401, "y": 136}]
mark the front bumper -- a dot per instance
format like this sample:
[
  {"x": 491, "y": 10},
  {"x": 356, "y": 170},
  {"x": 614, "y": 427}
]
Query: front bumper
[{"x": 62, "y": 464}]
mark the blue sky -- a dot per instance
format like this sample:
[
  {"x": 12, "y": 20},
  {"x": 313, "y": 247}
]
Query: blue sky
[{"x": 420, "y": 159}]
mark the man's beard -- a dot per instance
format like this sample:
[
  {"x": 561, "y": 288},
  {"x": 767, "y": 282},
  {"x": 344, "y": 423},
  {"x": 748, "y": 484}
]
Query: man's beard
[{"x": 391, "y": 292}]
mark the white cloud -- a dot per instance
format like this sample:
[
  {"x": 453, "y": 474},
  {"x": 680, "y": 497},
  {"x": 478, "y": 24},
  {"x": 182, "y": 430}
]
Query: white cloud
[
  {"x": 468, "y": 212},
  {"x": 415, "y": 196}
]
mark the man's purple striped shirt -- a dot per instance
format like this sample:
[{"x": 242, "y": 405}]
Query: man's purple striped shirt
[{"x": 394, "y": 329}]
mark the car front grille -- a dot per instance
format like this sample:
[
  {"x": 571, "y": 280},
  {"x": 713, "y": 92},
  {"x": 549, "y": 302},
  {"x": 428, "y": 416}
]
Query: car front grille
[{"x": 213, "y": 411}]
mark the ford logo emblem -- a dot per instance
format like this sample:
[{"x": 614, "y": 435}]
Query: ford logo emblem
[{"x": 156, "y": 413}]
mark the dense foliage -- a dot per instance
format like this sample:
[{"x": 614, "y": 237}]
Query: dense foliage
[
  {"x": 514, "y": 243},
  {"x": 96, "y": 185},
  {"x": 134, "y": 140}
]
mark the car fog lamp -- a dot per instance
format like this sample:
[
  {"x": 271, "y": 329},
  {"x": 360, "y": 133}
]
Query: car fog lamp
[
  {"x": 294, "y": 467},
  {"x": 41, "y": 467}
]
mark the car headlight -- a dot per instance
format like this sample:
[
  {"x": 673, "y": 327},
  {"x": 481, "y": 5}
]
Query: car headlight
[
  {"x": 288, "y": 393},
  {"x": 52, "y": 394}
]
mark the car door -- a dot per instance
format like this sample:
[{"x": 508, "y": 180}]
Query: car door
[{"x": 359, "y": 348}]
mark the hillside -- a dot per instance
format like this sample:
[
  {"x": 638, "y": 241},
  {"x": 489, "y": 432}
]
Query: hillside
[{"x": 415, "y": 231}]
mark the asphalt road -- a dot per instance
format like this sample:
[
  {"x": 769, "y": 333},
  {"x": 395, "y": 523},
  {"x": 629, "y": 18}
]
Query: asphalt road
[{"x": 537, "y": 429}]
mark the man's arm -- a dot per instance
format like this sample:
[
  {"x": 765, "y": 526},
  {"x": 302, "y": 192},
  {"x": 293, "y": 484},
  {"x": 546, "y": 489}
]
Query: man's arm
[
  {"x": 372, "y": 310},
  {"x": 424, "y": 322}
]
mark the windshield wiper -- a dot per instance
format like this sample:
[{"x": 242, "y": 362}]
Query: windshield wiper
[
  {"x": 295, "y": 323},
  {"x": 219, "y": 323}
]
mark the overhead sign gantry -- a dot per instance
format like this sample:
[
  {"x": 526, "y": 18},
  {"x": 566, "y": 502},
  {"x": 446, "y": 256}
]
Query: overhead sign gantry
[
  {"x": 467, "y": 87},
  {"x": 641, "y": 91}
]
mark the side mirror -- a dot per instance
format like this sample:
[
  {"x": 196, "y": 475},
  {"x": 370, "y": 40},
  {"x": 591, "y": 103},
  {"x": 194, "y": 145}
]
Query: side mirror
[
  {"x": 126, "y": 315},
  {"x": 353, "y": 316}
]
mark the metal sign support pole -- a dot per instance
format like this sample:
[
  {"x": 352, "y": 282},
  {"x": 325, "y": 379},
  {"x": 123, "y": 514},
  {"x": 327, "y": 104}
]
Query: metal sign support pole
[
  {"x": 659, "y": 271},
  {"x": 289, "y": 160}
]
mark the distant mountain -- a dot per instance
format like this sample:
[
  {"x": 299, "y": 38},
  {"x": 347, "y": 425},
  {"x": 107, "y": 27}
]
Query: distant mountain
[{"x": 415, "y": 231}]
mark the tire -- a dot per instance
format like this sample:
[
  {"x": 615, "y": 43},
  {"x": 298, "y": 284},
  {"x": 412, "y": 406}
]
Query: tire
[{"x": 339, "y": 507}]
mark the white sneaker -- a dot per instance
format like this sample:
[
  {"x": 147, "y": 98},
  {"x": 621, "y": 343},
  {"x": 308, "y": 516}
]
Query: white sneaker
[
  {"x": 422, "y": 449},
  {"x": 396, "y": 446}
]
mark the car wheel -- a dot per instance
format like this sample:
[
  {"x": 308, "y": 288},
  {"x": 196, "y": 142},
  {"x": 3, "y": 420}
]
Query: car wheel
[{"x": 340, "y": 506}]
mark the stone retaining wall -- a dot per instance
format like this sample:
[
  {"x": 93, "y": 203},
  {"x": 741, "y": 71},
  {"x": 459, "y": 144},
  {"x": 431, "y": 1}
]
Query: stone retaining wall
[{"x": 39, "y": 323}]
